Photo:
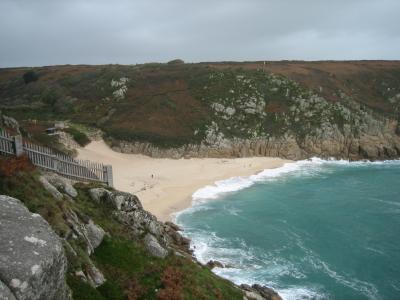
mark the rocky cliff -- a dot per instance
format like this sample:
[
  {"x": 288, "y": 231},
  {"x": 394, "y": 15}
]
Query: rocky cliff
[
  {"x": 289, "y": 109},
  {"x": 32, "y": 260},
  {"x": 96, "y": 243}
]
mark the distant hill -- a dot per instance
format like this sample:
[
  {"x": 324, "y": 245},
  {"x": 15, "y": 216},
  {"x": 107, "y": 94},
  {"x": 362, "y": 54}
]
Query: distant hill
[{"x": 291, "y": 109}]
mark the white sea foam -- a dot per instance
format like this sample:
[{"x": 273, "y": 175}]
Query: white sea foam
[
  {"x": 246, "y": 263},
  {"x": 312, "y": 166},
  {"x": 296, "y": 293}
]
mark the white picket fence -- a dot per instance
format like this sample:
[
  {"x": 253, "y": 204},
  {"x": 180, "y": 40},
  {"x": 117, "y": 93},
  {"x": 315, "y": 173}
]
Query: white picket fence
[
  {"x": 47, "y": 159},
  {"x": 6, "y": 143}
]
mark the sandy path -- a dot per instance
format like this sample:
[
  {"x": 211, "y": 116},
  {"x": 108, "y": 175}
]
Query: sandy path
[{"x": 165, "y": 186}]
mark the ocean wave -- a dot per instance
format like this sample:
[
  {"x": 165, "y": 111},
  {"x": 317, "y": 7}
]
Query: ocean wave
[
  {"x": 296, "y": 293},
  {"x": 251, "y": 265},
  {"x": 366, "y": 288},
  {"x": 248, "y": 265},
  {"x": 309, "y": 167}
]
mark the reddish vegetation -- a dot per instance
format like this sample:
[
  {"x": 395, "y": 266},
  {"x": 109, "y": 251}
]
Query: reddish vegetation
[
  {"x": 161, "y": 103},
  {"x": 274, "y": 107},
  {"x": 172, "y": 282},
  {"x": 12, "y": 165},
  {"x": 133, "y": 289}
]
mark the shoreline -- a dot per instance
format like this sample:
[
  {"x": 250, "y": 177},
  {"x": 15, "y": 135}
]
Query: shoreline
[{"x": 165, "y": 186}]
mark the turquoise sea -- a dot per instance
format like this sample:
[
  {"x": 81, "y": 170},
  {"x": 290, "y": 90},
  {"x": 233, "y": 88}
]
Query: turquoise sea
[{"x": 312, "y": 229}]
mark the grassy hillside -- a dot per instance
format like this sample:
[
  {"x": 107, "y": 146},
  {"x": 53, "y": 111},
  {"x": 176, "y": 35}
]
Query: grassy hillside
[
  {"x": 175, "y": 104},
  {"x": 130, "y": 270}
]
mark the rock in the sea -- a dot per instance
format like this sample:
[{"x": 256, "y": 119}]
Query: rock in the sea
[
  {"x": 214, "y": 264},
  {"x": 154, "y": 247},
  {"x": 32, "y": 260},
  {"x": 259, "y": 292},
  {"x": 50, "y": 188}
]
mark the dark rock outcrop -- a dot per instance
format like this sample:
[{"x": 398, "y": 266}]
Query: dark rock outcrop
[
  {"x": 259, "y": 292},
  {"x": 32, "y": 260},
  {"x": 214, "y": 264}
]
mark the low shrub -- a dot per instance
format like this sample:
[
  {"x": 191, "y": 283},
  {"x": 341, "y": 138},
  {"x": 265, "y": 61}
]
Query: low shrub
[
  {"x": 30, "y": 76},
  {"x": 78, "y": 136},
  {"x": 12, "y": 165},
  {"x": 176, "y": 62}
]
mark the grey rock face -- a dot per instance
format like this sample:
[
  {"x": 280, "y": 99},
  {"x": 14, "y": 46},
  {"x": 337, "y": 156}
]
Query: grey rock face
[
  {"x": 32, "y": 260},
  {"x": 98, "y": 194},
  {"x": 154, "y": 247},
  {"x": 90, "y": 233},
  {"x": 50, "y": 188},
  {"x": 117, "y": 200},
  {"x": 129, "y": 211},
  {"x": 374, "y": 144},
  {"x": 5, "y": 293},
  {"x": 94, "y": 276},
  {"x": 95, "y": 234},
  {"x": 62, "y": 184}
]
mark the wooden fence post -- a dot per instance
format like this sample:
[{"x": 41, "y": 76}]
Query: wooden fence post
[
  {"x": 18, "y": 145},
  {"x": 55, "y": 163},
  {"x": 108, "y": 175}
]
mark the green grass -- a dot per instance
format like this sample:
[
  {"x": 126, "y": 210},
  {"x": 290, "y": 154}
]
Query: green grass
[
  {"x": 129, "y": 269},
  {"x": 82, "y": 290},
  {"x": 127, "y": 262},
  {"x": 26, "y": 187},
  {"x": 78, "y": 136}
]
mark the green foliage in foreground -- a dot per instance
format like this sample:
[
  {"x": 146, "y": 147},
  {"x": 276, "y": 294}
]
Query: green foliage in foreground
[
  {"x": 142, "y": 276},
  {"x": 131, "y": 272}
]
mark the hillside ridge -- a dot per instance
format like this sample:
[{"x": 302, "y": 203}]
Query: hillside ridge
[{"x": 290, "y": 109}]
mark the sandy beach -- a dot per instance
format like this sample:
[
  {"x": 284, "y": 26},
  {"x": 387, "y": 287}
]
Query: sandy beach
[{"x": 165, "y": 186}]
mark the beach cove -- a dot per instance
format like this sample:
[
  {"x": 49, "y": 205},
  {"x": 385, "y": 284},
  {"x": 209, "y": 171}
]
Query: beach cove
[{"x": 165, "y": 186}]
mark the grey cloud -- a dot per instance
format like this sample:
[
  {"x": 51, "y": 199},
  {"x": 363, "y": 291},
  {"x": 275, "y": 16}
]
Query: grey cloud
[{"x": 46, "y": 32}]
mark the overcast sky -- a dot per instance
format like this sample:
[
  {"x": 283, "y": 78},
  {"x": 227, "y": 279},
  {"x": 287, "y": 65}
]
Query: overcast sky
[{"x": 48, "y": 32}]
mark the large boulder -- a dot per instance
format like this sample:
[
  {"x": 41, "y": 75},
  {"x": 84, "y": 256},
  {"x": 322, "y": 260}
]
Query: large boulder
[
  {"x": 116, "y": 199},
  {"x": 95, "y": 234},
  {"x": 63, "y": 184},
  {"x": 50, "y": 188},
  {"x": 32, "y": 260},
  {"x": 85, "y": 229},
  {"x": 154, "y": 247},
  {"x": 94, "y": 276},
  {"x": 5, "y": 292}
]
